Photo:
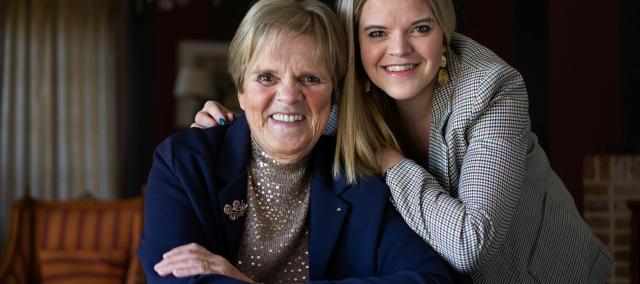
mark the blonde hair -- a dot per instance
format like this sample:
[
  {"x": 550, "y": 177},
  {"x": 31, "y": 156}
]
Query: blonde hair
[
  {"x": 363, "y": 128},
  {"x": 276, "y": 19}
]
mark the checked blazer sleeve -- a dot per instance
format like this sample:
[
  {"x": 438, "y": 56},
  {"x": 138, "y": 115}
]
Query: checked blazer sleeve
[{"x": 463, "y": 204}]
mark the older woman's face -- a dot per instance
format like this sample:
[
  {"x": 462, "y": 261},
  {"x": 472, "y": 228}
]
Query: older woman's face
[{"x": 287, "y": 98}]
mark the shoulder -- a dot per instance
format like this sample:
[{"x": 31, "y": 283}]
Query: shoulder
[
  {"x": 204, "y": 143},
  {"x": 193, "y": 140},
  {"x": 322, "y": 158},
  {"x": 474, "y": 58},
  {"x": 475, "y": 66},
  {"x": 369, "y": 191},
  {"x": 479, "y": 76}
]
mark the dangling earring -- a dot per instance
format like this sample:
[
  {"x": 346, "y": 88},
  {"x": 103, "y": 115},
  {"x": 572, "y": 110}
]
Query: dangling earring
[
  {"x": 367, "y": 86},
  {"x": 443, "y": 75}
]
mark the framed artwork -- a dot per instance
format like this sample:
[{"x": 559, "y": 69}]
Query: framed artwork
[{"x": 202, "y": 75}]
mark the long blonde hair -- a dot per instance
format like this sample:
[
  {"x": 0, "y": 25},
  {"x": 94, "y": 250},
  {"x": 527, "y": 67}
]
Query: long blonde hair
[{"x": 363, "y": 128}]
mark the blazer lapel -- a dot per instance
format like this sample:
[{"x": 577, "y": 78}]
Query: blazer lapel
[
  {"x": 441, "y": 108},
  {"x": 232, "y": 172},
  {"x": 327, "y": 214},
  {"x": 438, "y": 164},
  {"x": 235, "y": 191}
]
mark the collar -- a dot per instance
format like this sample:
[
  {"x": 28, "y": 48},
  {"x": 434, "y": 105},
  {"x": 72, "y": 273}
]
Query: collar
[{"x": 236, "y": 150}]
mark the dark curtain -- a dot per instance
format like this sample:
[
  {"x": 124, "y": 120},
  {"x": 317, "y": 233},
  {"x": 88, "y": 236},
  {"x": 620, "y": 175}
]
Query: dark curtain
[{"x": 138, "y": 148}]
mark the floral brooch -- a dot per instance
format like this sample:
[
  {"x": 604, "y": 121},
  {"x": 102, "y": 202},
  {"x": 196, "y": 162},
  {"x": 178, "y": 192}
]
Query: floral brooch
[{"x": 235, "y": 210}]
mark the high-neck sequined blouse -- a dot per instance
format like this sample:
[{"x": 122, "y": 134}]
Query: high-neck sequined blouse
[{"x": 274, "y": 246}]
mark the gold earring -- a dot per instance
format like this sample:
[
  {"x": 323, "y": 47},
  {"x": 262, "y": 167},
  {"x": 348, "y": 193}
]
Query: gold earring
[
  {"x": 367, "y": 86},
  {"x": 443, "y": 75}
]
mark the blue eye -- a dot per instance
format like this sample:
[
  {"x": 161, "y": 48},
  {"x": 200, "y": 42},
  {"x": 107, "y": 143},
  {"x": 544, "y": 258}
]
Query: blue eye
[
  {"x": 310, "y": 80},
  {"x": 376, "y": 34},
  {"x": 266, "y": 79}
]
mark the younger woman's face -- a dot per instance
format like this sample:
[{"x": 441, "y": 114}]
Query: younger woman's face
[{"x": 400, "y": 46}]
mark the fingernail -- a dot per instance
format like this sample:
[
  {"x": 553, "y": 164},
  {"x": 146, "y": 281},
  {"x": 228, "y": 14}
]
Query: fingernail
[{"x": 221, "y": 121}]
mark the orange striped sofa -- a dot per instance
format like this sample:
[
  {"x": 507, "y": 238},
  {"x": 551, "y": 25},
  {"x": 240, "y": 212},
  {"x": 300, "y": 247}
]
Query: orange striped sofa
[{"x": 74, "y": 242}]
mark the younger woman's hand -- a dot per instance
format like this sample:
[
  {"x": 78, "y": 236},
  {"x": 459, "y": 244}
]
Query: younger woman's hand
[
  {"x": 387, "y": 158},
  {"x": 212, "y": 114},
  {"x": 193, "y": 259}
]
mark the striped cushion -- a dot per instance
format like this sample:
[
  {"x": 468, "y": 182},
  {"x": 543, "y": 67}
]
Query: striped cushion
[
  {"x": 45, "y": 230},
  {"x": 89, "y": 228},
  {"x": 82, "y": 266}
]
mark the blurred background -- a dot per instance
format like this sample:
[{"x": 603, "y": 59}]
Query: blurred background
[{"x": 88, "y": 88}]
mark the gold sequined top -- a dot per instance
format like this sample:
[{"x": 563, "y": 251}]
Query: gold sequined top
[{"x": 275, "y": 242}]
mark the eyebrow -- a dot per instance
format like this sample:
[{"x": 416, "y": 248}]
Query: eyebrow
[
  {"x": 316, "y": 73},
  {"x": 378, "y": 27},
  {"x": 261, "y": 71}
]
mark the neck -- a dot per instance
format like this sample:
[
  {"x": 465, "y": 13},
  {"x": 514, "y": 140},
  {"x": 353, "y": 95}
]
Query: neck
[
  {"x": 416, "y": 109},
  {"x": 274, "y": 170},
  {"x": 415, "y": 121}
]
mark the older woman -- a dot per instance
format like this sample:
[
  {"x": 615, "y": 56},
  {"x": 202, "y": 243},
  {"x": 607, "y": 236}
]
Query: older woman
[
  {"x": 256, "y": 201},
  {"x": 447, "y": 121}
]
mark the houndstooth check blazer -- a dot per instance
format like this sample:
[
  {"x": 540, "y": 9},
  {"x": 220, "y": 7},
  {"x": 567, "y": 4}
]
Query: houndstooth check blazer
[{"x": 489, "y": 201}]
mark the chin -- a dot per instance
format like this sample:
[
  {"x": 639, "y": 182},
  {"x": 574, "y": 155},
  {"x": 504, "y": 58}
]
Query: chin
[
  {"x": 399, "y": 95},
  {"x": 293, "y": 151}
]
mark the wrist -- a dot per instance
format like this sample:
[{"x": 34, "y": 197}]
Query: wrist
[
  {"x": 391, "y": 168},
  {"x": 389, "y": 158}
]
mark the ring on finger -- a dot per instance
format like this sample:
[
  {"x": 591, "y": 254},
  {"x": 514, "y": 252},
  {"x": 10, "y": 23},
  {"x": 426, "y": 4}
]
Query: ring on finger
[{"x": 205, "y": 264}]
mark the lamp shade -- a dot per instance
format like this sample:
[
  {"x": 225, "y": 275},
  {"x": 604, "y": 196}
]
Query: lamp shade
[{"x": 194, "y": 82}]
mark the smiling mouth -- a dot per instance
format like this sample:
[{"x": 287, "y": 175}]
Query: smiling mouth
[
  {"x": 287, "y": 117},
  {"x": 400, "y": 68}
]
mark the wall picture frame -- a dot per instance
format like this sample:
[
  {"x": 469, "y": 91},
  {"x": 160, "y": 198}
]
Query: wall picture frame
[{"x": 209, "y": 57}]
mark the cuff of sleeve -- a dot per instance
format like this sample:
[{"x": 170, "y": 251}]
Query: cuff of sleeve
[{"x": 393, "y": 171}]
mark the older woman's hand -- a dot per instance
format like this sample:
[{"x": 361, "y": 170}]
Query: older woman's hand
[
  {"x": 212, "y": 114},
  {"x": 193, "y": 259}
]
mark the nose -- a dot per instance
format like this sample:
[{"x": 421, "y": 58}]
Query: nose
[
  {"x": 399, "y": 45},
  {"x": 290, "y": 92}
]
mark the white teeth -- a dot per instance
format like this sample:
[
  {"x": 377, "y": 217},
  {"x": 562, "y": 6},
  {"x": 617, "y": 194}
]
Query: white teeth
[
  {"x": 287, "y": 117},
  {"x": 398, "y": 68}
]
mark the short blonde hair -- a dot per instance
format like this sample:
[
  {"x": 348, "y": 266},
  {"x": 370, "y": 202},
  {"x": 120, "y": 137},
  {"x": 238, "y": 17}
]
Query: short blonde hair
[
  {"x": 278, "y": 18},
  {"x": 363, "y": 128}
]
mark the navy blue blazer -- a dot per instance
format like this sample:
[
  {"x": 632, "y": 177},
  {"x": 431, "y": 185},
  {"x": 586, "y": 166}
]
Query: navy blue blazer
[{"x": 355, "y": 235}]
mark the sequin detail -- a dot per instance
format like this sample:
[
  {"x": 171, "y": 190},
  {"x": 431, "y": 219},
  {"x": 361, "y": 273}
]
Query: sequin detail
[{"x": 274, "y": 248}]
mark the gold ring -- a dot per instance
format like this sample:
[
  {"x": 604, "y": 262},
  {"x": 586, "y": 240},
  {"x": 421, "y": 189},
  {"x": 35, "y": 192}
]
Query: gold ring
[{"x": 205, "y": 264}]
